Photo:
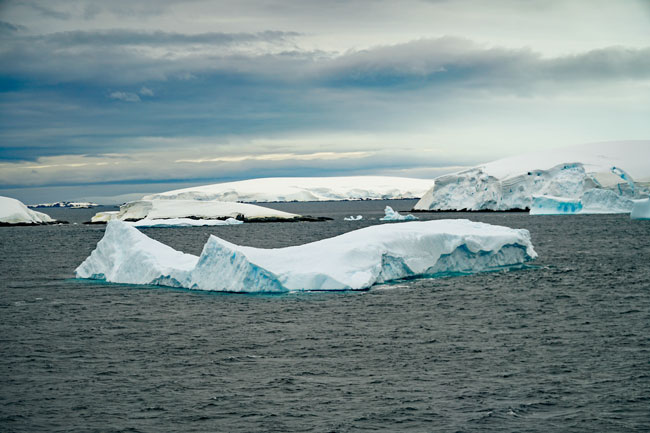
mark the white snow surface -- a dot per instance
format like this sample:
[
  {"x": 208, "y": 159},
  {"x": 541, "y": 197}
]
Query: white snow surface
[
  {"x": 304, "y": 189},
  {"x": 14, "y": 211},
  {"x": 352, "y": 261},
  {"x": 182, "y": 222},
  {"x": 168, "y": 209},
  {"x": 641, "y": 210},
  {"x": 567, "y": 173},
  {"x": 391, "y": 215}
]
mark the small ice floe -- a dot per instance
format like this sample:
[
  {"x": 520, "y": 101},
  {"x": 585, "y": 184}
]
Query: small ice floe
[
  {"x": 353, "y": 218},
  {"x": 391, "y": 215}
]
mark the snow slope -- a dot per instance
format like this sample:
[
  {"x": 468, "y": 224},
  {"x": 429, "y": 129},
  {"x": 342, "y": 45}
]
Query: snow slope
[
  {"x": 352, "y": 261},
  {"x": 166, "y": 209},
  {"x": 567, "y": 173},
  {"x": 13, "y": 211},
  {"x": 304, "y": 189}
]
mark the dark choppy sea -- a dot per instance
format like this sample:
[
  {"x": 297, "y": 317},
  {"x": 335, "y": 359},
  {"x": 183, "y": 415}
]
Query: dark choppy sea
[{"x": 564, "y": 347}]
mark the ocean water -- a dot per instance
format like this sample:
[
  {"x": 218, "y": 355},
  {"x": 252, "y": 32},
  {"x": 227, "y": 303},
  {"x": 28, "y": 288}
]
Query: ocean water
[{"x": 561, "y": 347}]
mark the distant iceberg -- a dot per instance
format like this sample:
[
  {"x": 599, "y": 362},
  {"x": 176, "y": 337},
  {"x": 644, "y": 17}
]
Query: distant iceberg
[
  {"x": 564, "y": 179},
  {"x": 391, "y": 215},
  {"x": 285, "y": 189},
  {"x": 159, "y": 209},
  {"x": 182, "y": 222},
  {"x": 66, "y": 204},
  {"x": 14, "y": 211},
  {"x": 353, "y": 218},
  {"x": 353, "y": 261},
  {"x": 641, "y": 210}
]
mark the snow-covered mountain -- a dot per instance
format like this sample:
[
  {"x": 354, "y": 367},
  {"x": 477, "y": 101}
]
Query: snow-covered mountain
[
  {"x": 14, "y": 211},
  {"x": 304, "y": 189},
  {"x": 352, "y": 261},
  {"x": 548, "y": 180}
]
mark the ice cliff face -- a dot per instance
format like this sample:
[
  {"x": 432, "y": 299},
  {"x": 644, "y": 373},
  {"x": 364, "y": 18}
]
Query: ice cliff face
[
  {"x": 13, "y": 211},
  {"x": 593, "y": 182},
  {"x": 352, "y": 261},
  {"x": 641, "y": 210},
  {"x": 474, "y": 189}
]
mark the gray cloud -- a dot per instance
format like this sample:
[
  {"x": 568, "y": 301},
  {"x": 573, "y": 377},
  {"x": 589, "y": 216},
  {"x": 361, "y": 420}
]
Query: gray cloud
[
  {"x": 124, "y": 96},
  {"x": 122, "y": 37}
]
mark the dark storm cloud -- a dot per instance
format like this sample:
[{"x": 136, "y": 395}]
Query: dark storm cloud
[{"x": 452, "y": 61}]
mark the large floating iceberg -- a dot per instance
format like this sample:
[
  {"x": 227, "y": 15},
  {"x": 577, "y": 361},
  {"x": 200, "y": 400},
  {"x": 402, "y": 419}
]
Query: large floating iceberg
[
  {"x": 14, "y": 211},
  {"x": 304, "y": 189},
  {"x": 563, "y": 179},
  {"x": 353, "y": 261}
]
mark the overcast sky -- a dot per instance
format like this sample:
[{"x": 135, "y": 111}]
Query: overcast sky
[{"x": 129, "y": 97}]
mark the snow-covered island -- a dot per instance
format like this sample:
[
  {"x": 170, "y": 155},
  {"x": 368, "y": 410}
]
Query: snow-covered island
[
  {"x": 14, "y": 212},
  {"x": 594, "y": 178},
  {"x": 285, "y": 189},
  {"x": 352, "y": 261},
  {"x": 65, "y": 204},
  {"x": 226, "y": 200},
  {"x": 176, "y": 212}
]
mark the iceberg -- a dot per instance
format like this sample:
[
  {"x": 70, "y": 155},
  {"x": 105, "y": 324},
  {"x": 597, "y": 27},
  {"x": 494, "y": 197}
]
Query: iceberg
[
  {"x": 104, "y": 217},
  {"x": 565, "y": 177},
  {"x": 14, "y": 211},
  {"x": 352, "y": 261},
  {"x": 641, "y": 210},
  {"x": 391, "y": 215},
  {"x": 158, "y": 209},
  {"x": 353, "y": 218},
  {"x": 284, "y": 189},
  {"x": 183, "y": 222},
  {"x": 593, "y": 201}
]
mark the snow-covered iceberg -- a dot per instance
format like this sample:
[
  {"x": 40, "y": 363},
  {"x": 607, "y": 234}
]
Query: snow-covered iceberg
[
  {"x": 159, "y": 209},
  {"x": 557, "y": 178},
  {"x": 14, "y": 211},
  {"x": 353, "y": 218},
  {"x": 284, "y": 189},
  {"x": 104, "y": 217},
  {"x": 182, "y": 222},
  {"x": 641, "y": 210},
  {"x": 352, "y": 261},
  {"x": 391, "y": 215}
]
